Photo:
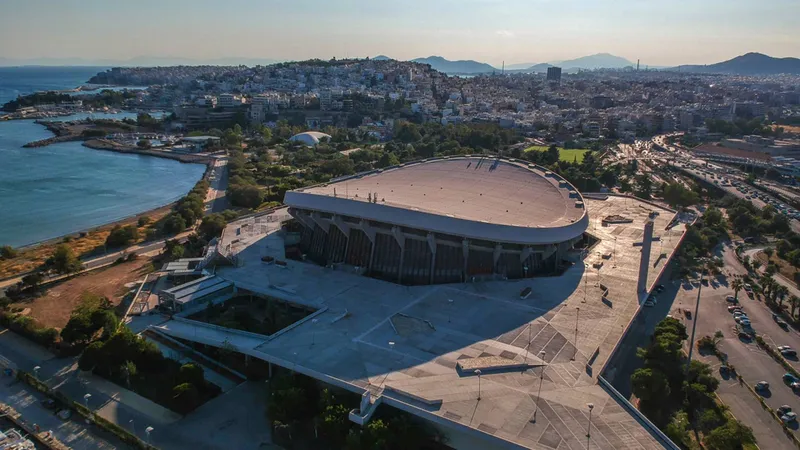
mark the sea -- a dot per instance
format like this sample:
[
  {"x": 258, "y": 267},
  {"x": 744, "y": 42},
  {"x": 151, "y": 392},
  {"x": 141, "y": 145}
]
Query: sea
[{"x": 61, "y": 189}]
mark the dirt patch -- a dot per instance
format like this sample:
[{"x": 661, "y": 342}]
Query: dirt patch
[
  {"x": 54, "y": 307},
  {"x": 784, "y": 267}
]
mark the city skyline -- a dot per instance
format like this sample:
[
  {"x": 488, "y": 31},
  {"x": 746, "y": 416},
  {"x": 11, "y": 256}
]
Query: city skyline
[{"x": 490, "y": 31}]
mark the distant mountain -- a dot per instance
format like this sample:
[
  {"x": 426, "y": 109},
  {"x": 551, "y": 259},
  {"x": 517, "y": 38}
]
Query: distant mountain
[
  {"x": 597, "y": 61},
  {"x": 456, "y": 67},
  {"x": 519, "y": 66},
  {"x": 381, "y": 58},
  {"x": 749, "y": 64},
  {"x": 142, "y": 61}
]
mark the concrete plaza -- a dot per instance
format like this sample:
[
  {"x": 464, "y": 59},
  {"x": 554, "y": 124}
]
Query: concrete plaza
[{"x": 416, "y": 347}]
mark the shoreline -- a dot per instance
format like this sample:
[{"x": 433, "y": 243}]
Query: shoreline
[{"x": 99, "y": 145}]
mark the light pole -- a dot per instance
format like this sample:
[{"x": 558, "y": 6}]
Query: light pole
[
  {"x": 86, "y": 398},
  {"x": 36, "y": 372},
  {"x": 147, "y": 431},
  {"x": 577, "y": 314},
  {"x": 615, "y": 251},
  {"x": 449, "y": 309},
  {"x": 541, "y": 378},
  {"x": 696, "y": 309},
  {"x": 528, "y": 347},
  {"x": 478, "y": 373},
  {"x": 589, "y": 430},
  {"x": 133, "y": 427},
  {"x": 314, "y": 331}
]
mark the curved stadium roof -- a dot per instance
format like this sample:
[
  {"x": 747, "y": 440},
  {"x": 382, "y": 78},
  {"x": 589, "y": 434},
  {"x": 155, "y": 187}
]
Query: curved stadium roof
[
  {"x": 310, "y": 138},
  {"x": 502, "y": 200}
]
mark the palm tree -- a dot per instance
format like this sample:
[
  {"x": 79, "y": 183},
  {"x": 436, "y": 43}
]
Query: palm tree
[
  {"x": 779, "y": 293},
  {"x": 737, "y": 284},
  {"x": 794, "y": 302}
]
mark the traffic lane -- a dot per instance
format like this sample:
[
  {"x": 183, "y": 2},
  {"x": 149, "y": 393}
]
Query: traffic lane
[
  {"x": 746, "y": 408},
  {"x": 754, "y": 365}
]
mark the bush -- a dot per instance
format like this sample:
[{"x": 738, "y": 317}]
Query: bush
[
  {"x": 174, "y": 224},
  {"x": 7, "y": 252},
  {"x": 122, "y": 236},
  {"x": 144, "y": 220},
  {"x": 27, "y": 327}
]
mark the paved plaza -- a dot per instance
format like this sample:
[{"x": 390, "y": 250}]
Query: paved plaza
[{"x": 416, "y": 347}]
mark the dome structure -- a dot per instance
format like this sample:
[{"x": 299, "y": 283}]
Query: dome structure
[{"x": 309, "y": 138}]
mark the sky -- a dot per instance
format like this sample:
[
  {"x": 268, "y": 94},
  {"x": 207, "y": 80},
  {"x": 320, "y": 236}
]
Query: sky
[{"x": 659, "y": 33}]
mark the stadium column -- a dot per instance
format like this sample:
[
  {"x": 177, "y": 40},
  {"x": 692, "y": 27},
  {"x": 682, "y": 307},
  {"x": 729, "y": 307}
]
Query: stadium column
[
  {"x": 498, "y": 250},
  {"x": 370, "y": 232},
  {"x": 432, "y": 245},
  {"x": 401, "y": 241},
  {"x": 345, "y": 229}
]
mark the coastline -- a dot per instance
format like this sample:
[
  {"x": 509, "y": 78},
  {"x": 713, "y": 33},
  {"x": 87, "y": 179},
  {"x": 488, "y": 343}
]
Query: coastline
[{"x": 103, "y": 144}]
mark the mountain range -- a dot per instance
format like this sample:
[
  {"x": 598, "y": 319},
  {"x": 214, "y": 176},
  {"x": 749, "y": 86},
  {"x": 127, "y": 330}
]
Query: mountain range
[
  {"x": 597, "y": 61},
  {"x": 748, "y": 64}
]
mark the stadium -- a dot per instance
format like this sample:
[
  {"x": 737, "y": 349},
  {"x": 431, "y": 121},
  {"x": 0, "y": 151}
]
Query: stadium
[{"x": 442, "y": 220}]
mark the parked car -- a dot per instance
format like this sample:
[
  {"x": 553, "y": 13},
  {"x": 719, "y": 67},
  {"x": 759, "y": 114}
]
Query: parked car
[
  {"x": 649, "y": 303},
  {"x": 784, "y": 347},
  {"x": 741, "y": 319},
  {"x": 789, "y": 378},
  {"x": 731, "y": 299},
  {"x": 745, "y": 322},
  {"x": 761, "y": 386},
  {"x": 784, "y": 409},
  {"x": 789, "y": 417},
  {"x": 64, "y": 414},
  {"x": 660, "y": 288},
  {"x": 734, "y": 308},
  {"x": 789, "y": 353}
]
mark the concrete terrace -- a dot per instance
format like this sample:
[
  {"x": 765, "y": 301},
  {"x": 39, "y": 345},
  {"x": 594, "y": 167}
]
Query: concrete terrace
[{"x": 433, "y": 329}]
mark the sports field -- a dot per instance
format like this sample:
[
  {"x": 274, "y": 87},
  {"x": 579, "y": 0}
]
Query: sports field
[{"x": 568, "y": 155}]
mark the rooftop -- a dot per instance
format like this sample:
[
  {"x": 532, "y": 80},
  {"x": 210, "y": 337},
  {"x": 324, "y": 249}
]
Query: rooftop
[
  {"x": 198, "y": 288},
  {"x": 434, "y": 330},
  {"x": 458, "y": 195}
]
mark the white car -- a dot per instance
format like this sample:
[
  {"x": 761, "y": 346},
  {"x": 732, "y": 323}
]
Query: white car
[
  {"x": 649, "y": 303},
  {"x": 784, "y": 347},
  {"x": 790, "y": 416}
]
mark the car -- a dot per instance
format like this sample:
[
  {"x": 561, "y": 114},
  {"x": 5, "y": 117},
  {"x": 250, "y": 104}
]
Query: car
[
  {"x": 745, "y": 322},
  {"x": 732, "y": 309},
  {"x": 789, "y": 417},
  {"x": 741, "y": 319},
  {"x": 64, "y": 414},
  {"x": 784, "y": 409},
  {"x": 784, "y": 347},
  {"x": 782, "y": 324},
  {"x": 747, "y": 286},
  {"x": 649, "y": 303},
  {"x": 761, "y": 386},
  {"x": 737, "y": 314},
  {"x": 789, "y": 378},
  {"x": 660, "y": 288},
  {"x": 731, "y": 299},
  {"x": 789, "y": 353},
  {"x": 795, "y": 386}
]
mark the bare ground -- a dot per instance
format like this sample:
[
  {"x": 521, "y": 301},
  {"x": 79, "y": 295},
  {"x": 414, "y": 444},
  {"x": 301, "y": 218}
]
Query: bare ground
[{"x": 53, "y": 308}]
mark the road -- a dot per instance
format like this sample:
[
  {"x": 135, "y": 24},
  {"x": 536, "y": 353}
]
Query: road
[
  {"x": 750, "y": 361},
  {"x": 216, "y": 200},
  {"x": 104, "y": 260}
]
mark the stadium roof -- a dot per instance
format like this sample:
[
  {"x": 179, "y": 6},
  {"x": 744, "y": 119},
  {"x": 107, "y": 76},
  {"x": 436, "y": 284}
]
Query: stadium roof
[
  {"x": 199, "y": 288},
  {"x": 310, "y": 138},
  {"x": 502, "y": 200}
]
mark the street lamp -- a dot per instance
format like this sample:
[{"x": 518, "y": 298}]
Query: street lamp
[
  {"x": 541, "y": 379},
  {"x": 589, "y": 430},
  {"x": 313, "y": 331},
  {"x": 147, "y": 431},
  {"x": 449, "y": 309},
  {"x": 133, "y": 427},
  {"x": 36, "y": 372},
  {"x": 528, "y": 347},
  {"x": 696, "y": 310},
  {"x": 478, "y": 373},
  {"x": 577, "y": 314},
  {"x": 86, "y": 398}
]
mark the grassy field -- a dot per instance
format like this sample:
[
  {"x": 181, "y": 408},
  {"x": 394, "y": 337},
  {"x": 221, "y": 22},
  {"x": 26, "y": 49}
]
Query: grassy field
[{"x": 568, "y": 155}]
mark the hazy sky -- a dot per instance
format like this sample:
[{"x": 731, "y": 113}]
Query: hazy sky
[{"x": 517, "y": 31}]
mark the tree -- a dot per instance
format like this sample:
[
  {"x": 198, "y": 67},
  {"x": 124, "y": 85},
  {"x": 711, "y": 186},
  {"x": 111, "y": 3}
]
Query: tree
[
  {"x": 185, "y": 397},
  {"x": 32, "y": 280},
  {"x": 144, "y": 143},
  {"x": 644, "y": 186},
  {"x": 122, "y": 236},
  {"x": 7, "y": 252},
  {"x": 794, "y": 302},
  {"x": 737, "y": 284},
  {"x": 650, "y": 385},
  {"x": 174, "y": 223},
  {"x": 731, "y": 436},
  {"x": 246, "y": 196},
  {"x": 64, "y": 260},
  {"x": 212, "y": 226},
  {"x": 386, "y": 160}
]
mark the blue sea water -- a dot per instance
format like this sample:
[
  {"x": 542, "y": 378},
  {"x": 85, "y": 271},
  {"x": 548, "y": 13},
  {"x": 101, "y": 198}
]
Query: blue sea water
[{"x": 63, "y": 188}]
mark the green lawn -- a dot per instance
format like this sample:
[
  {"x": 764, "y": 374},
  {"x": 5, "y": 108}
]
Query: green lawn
[{"x": 568, "y": 155}]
